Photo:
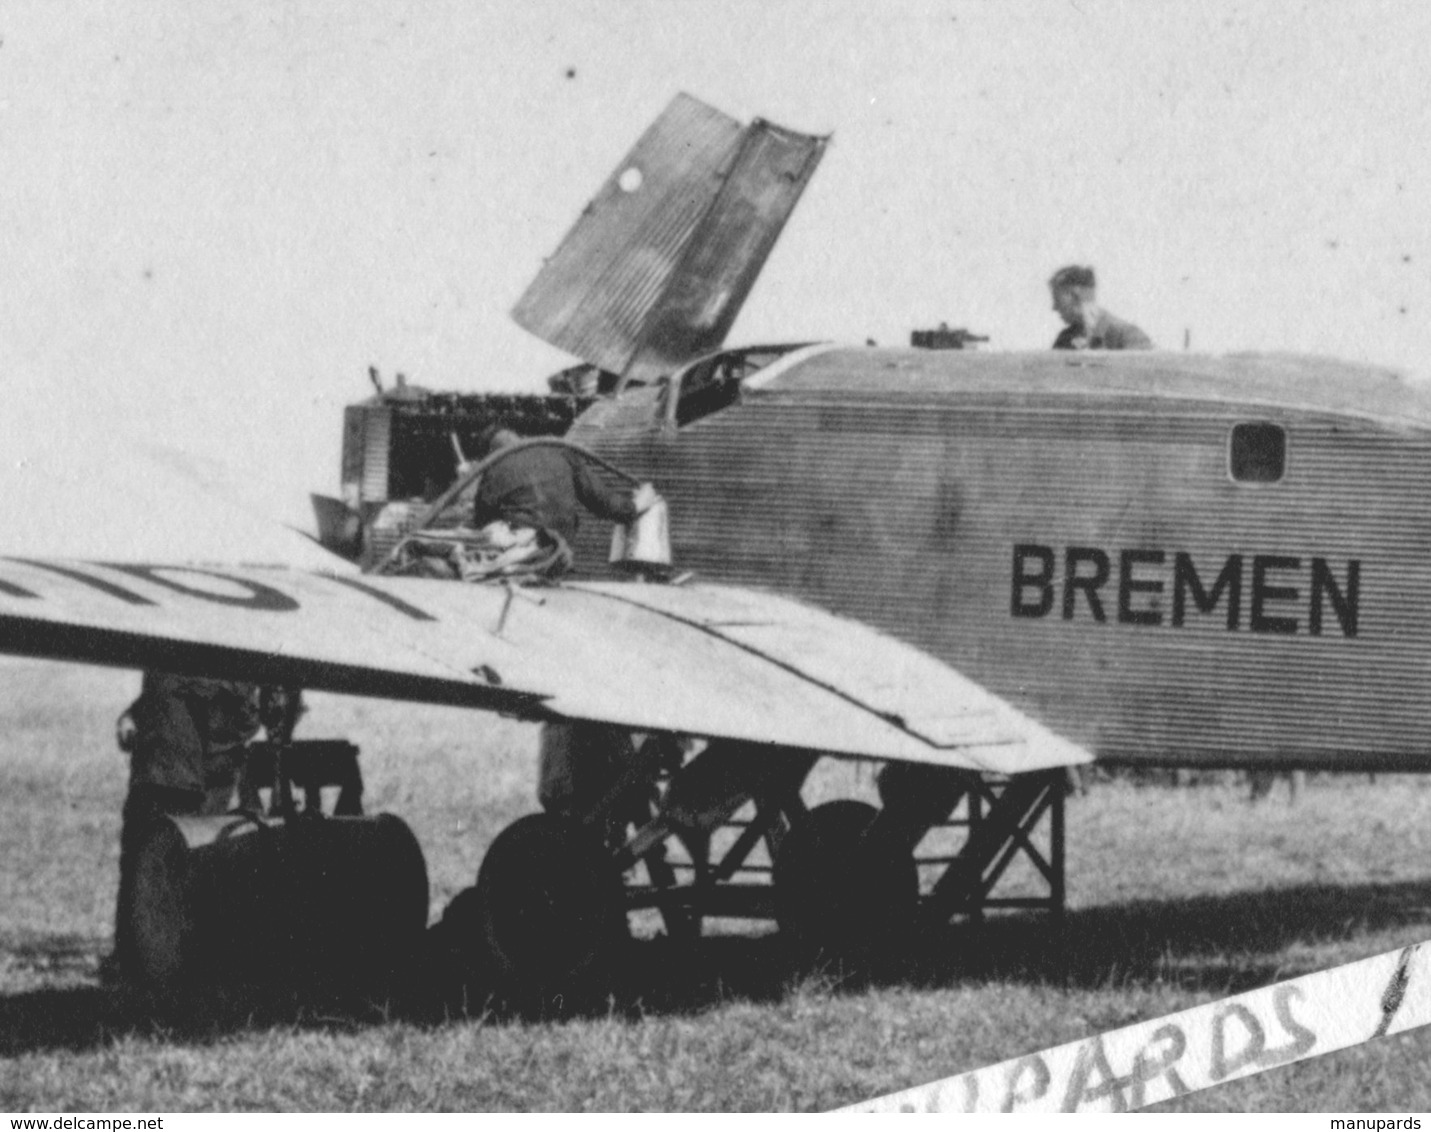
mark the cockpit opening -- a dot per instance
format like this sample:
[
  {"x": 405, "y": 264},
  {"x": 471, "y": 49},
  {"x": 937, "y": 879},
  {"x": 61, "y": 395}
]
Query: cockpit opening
[{"x": 713, "y": 383}]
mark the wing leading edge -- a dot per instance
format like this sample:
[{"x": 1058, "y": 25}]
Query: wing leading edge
[{"x": 703, "y": 660}]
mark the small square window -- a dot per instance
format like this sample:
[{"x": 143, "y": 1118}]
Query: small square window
[{"x": 1258, "y": 453}]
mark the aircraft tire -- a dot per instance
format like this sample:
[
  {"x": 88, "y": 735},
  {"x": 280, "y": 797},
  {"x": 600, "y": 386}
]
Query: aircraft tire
[
  {"x": 550, "y": 911},
  {"x": 839, "y": 893}
]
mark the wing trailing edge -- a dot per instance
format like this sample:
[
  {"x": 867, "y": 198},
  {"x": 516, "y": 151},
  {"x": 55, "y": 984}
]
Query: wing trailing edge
[{"x": 709, "y": 661}]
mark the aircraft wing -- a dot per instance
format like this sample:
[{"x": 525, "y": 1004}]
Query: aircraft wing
[
  {"x": 90, "y": 489},
  {"x": 702, "y": 660}
]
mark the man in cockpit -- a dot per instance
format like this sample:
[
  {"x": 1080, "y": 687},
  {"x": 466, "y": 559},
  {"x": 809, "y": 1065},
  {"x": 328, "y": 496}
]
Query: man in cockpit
[{"x": 1088, "y": 325}]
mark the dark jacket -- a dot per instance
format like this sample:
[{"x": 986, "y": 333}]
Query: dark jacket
[
  {"x": 187, "y": 729},
  {"x": 1108, "y": 333},
  {"x": 546, "y": 487}
]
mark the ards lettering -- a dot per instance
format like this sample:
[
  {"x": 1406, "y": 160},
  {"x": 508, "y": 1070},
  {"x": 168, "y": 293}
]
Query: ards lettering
[
  {"x": 1138, "y": 1065},
  {"x": 1259, "y": 593}
]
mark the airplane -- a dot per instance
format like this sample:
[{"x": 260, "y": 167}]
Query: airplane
[{"x": 977, "y": 569}]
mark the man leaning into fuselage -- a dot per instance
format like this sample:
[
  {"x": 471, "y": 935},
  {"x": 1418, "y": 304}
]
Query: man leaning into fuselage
[{"x": 531, "y": 500}]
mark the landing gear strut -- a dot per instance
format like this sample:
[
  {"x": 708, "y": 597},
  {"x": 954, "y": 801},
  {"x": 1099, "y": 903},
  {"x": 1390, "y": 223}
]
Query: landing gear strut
[{"x": 725, "y": 833}]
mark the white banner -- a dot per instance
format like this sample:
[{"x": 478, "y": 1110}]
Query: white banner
[{"x": 1181, "y": 1053}]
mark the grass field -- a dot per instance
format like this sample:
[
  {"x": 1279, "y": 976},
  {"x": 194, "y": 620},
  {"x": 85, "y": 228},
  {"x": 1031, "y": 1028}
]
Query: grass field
[{"x": 1176, "y": 897}]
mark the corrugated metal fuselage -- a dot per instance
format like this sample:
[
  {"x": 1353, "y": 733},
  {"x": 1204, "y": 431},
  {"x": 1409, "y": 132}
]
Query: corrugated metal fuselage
[{"x": 1084, "y": 553}]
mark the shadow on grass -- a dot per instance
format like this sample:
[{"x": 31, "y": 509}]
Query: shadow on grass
[
  {"x": 86, "y": 1017},
  {"x": 1224, "y": 944}
]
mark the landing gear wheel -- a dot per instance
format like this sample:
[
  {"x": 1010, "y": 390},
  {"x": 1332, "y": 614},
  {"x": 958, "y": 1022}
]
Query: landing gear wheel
[
  {"x": 550, "y": 910},
  {"x": 840, "y": 891}
]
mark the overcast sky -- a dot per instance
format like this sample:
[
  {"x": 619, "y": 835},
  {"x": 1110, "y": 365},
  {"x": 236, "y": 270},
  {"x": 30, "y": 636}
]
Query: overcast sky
[{"x": 217, "y": 216}]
